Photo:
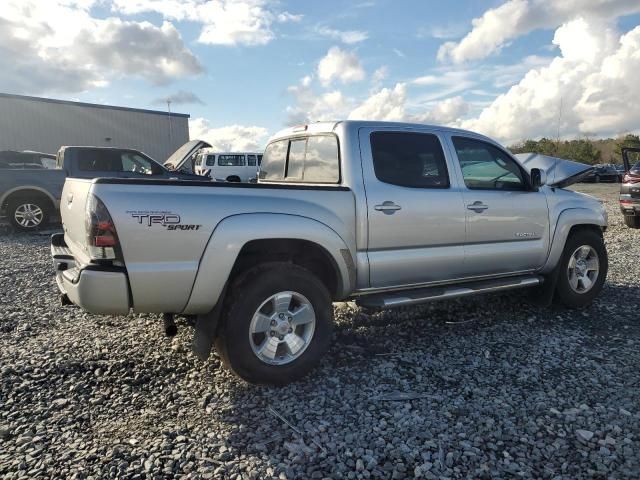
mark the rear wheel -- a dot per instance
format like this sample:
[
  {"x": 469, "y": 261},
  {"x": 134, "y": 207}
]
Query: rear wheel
[
  {"x": 28, "y": 214},
  {"x": 278, "y": 324},
  {"x": 583, "y": 269},
  {"x": 632, "y": 221},
  {"x": 233, "y": 178}
]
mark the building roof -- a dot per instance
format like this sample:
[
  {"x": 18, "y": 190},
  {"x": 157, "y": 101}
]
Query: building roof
[{"x": 92, "y": 105}]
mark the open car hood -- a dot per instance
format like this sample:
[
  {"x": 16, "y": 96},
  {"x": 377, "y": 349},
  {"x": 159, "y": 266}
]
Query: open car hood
[
  {"x": 560, "y": 173},
  {"x": 179, "y": 159}
]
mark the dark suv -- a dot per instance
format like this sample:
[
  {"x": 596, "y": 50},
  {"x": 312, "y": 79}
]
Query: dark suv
[{"x": 630, "y": 188}]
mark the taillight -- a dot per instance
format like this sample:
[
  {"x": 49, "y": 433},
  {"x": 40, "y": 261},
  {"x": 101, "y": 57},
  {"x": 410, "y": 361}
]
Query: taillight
[
  {"x": 102, "y": 237},
  {"x": 628, "y": 178}
]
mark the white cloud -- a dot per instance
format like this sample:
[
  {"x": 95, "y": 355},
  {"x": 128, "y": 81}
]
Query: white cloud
[
  {"x": 388, "y": 104},
  {"x": 310, "y": 107},
  {"x": 379, "y": 76},
  {"x": 224, "y": 22},
  {"x": 181, "y": 97},
  {"x": 344, "y": 36},
  {"x": 231, "y": 138},
  {"x": 57, "y": 46},
  {"x": 340, "y": 65},
  {"x": 514, "y": 18},
  {"x": 444, "y": 112},
  {"x": 610, "y": 98},
  {"x": 594, "y": 79}
]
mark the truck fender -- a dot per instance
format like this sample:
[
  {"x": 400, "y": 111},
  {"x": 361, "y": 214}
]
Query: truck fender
[
  {"x": 232, "y": 233},
  {"x": 568, "y": 219},
  {"x": 26, "y": 188}
]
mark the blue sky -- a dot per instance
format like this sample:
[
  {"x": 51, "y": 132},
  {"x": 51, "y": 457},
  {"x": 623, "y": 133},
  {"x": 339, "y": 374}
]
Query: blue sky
[{"x": 245, "y": 68}]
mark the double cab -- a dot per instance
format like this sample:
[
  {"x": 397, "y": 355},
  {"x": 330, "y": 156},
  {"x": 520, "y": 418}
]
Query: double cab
[{"x": 386, "y": 214}]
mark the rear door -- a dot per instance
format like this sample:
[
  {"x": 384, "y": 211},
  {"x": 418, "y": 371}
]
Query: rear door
[
  {"x": 507, "y": 221},
  {"x": 415, "y": 208}
]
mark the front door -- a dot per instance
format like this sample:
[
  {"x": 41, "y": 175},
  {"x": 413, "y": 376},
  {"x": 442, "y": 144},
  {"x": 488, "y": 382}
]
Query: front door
[
  {"x": 507, "y": 220},
  {"x": 416, "y": 215}
]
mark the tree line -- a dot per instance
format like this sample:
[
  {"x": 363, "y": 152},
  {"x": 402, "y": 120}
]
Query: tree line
[{"x": 585, "y": 150}]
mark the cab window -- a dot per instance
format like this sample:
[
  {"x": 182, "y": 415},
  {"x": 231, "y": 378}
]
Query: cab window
[{"x": 486, "y": 167}]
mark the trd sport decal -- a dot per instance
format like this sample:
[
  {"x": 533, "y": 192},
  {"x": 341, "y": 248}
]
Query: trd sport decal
[{"x": 168, "y": 220}]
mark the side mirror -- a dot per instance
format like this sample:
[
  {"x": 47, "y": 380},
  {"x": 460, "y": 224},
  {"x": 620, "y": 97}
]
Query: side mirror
[{"x": 538, "y": 178}]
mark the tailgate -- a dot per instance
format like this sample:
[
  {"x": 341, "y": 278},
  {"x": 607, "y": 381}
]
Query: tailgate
[{"x": 72, "y": 212}]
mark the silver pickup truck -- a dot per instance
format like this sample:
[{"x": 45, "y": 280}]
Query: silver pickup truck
[{"x": 388, "y": 214}]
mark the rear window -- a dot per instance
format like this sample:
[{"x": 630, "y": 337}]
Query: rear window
[
  {"x": 230, "y": 160},
  {"x": 275, "y": 157},
  {"x": 211, "y": 160},
  {"x": 312, "y": 159},
  {"x": 116, "y": 161}
]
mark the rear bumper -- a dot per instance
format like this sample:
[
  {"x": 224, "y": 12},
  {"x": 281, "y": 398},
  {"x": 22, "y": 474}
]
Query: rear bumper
[
  {"x": 96, "y": 288},
  {"x": 629, "y": 205}
]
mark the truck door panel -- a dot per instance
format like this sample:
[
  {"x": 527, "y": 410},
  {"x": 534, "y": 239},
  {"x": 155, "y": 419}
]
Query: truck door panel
[
  {"x": 416, "y": 219},
  {"x": 507, "y": 222}
]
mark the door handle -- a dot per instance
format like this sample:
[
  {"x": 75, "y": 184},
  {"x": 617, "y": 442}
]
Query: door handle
[
  {"x": 387, "y": 207},
  {"x": 477, "y": 206}
]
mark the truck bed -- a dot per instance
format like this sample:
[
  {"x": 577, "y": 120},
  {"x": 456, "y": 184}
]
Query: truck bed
[{"x": 165, "y": 226}]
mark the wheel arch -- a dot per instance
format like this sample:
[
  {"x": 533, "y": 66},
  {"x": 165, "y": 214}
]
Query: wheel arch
[
  {"x": 570, "y": 221},
  {"x": 242, "y": 241},
  {"x": 30, "y": 191}
]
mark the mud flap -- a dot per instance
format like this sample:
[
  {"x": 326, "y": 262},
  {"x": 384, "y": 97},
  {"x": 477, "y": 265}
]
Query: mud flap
[
  {"x": 207, "y": 327},
  {"x": 543, "y": 295}
]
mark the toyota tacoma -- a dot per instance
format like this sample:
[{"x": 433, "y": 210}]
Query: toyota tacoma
[{"x": 386, "y": 214}]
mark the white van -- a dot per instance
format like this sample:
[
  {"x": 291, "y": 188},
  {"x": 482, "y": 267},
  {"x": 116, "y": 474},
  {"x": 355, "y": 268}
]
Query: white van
[{"x": 228, "y": 166}]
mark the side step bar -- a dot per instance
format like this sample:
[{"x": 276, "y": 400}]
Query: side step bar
[{"x": 430, "y": 294}]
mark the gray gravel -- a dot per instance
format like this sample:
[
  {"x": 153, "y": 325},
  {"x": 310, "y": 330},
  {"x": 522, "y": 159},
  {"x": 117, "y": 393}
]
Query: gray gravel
[{"x": 490, "y": 387}]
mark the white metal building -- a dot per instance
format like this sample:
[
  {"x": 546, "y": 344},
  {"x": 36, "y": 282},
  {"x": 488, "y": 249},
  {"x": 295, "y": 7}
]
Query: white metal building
[{"x": 44, "y": 125}]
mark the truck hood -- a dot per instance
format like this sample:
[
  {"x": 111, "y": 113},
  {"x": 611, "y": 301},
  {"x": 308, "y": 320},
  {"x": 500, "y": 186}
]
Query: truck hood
[
  {"x": 179, "y": 159},
  {"x": 560, "y": 173}
]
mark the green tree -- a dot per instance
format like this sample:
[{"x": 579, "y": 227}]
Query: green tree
[{"x": 628, "y": 141}]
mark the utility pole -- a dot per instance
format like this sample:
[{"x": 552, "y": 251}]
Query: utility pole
[
  {"x": 559, "y": 122},
  {"x": 170, "y": 126}
]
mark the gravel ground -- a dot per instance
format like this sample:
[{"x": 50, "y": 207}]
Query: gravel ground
[{"x": 489, "y": 387}]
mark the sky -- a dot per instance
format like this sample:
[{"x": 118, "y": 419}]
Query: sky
[{"x": 244, "y": 69}]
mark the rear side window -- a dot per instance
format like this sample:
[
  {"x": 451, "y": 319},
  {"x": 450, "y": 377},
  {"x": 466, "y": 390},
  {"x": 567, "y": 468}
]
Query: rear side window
[
  {"x": 99, "y": 161},
  {"x": 309, "y": 159},
  {"x": 116, "y": 161},
  {"x": 230, "y": 160},
  {"x": 409, "y": 159},
  {"x": 251, "y": 160},
  {"x": 211, "y": 160}
]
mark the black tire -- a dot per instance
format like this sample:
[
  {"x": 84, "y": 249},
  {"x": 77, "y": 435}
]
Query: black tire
[
  {"x": 564, "y": 293},
  {"x": 632, "y": 221},
  {"x": 17, "y": 204},
  {"x": 246, "y": 296},
  {"x": 233, "y": 178}
]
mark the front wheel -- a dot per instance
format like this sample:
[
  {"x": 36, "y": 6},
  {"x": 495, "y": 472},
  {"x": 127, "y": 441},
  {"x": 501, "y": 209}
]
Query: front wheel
[
  {"x": 277, "y": 326},
  {"x": 583, "y": 269}
]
